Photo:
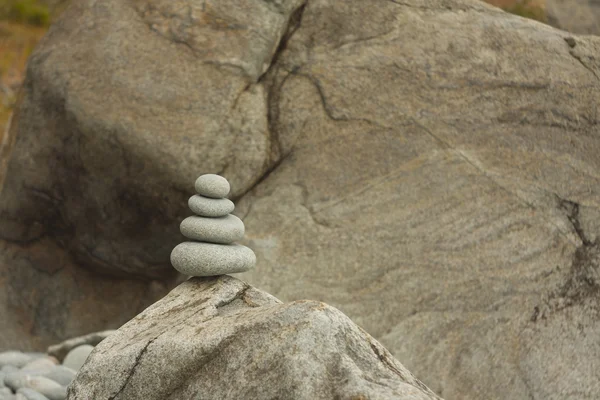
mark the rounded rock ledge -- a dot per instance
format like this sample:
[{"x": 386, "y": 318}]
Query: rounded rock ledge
[
  {"x": 207, "y": 259},
  {"x": 209, "y": 207},
  {"x": 213, "y": 186},
  {"x": 223, "y": 230}
]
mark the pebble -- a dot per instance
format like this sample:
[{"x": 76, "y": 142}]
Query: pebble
[
  {"x": 61, "y": 375},
  {"x": 30, "y": 394},
  {"x": 208, "y": 259},
  {"x": 77, "y": 356},
  {"x": 223, "y": 230},
  {"x": 207, "y": 207},
  {"x": 211, "y": 185},
  {"x": 45, "y": 363},
  {"x": 52, "y": 390},
  {"x": 6, "y": 394},
  {"x": 60, "y": 351},
  {"x": 14, "y": 358},
  {"x": 7, "y": 369}
]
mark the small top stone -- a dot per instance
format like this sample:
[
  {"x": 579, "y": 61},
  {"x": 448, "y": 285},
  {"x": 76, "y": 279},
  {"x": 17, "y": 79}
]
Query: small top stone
[{"x": 213, "y": 186}]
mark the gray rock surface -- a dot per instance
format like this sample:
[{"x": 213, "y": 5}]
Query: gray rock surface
[
  {"x": 213, "y": 186},
  {"x": 576, "y": 16},
  {"x": 223, "y": 230},
  {"x": 251, "y": 347},
  {"x": 474, "y": 263},
  {"x": 60, "y": 350},
  {"x": 208, "y": 259},
  {"x": 77, "y": 356},
  {"x": 207, "y": 207}
]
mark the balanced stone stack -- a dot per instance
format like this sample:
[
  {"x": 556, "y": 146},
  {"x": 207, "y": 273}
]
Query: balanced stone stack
[{"x": 213, "y": 231}]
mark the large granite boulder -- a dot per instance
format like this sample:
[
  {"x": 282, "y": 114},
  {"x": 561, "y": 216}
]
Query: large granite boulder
[
  {"x": 429, "y": 167},
  {"x": 107, "y": 140},
  {"x": 219, "y": 338}
]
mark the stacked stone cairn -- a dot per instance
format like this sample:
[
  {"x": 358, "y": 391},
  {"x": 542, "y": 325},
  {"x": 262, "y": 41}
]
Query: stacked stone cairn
[{"x": 213, "y": 231}]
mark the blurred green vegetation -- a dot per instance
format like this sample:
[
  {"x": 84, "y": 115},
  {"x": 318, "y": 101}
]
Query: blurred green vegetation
[
  {"x": 527, "y": 9},
  {"x": 29, "y": 12}
]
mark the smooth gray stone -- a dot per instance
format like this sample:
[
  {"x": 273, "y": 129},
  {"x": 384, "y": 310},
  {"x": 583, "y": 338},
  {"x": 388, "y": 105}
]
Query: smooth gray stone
[
  {"x": 208, "y": 259},
  {"x": 52, "y": 390},
  {"x": 20, "y": 396},
  {"x": 7, "y": 369},
  {"x": 61, "y": 375},
  {"x": 14, "y": 358},
  {"x": 61, "y": 350},
  {"x": 36, "y": 354},
  {"x": 76, "y": 357},
  {"x": 20, "y": 375},
  {"x": 2, "y": 375},
  {"x": 31, "y": 394},
  {"x": 40, "y": 364},
  {"x": 6, "y": 394},
  {"x": 223, "y": 230},
  {"x": 207, "y": 207},
  {"x": 16, "y": 381},
  {"x": 211, "y": 185}
]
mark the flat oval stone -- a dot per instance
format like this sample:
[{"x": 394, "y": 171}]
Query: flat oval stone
[
  {"x": 208, "y": 259},
  {"x": 77, "y": 356},
  {"x": 223, "y": 230},
  {"x": 207, "y": 207},
  {"x": 61, "y": 375},
  {"x": 46, "y": 363},
  {"x": 6, "y": 394},
  {"x": 211, "y": 185},
  {"x": 14, "y": 358},
  {"x": 30, "y": 394}
]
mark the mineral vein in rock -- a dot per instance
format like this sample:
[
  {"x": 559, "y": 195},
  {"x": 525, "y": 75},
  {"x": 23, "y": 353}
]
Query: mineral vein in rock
[{"x": 212, "y": 231}]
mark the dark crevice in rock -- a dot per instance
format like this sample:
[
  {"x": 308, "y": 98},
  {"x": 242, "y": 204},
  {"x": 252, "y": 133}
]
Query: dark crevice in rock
[
  {"x": 144, "y": 350},
  {"x": 311, "y": 212},
  {"x": 292, "y": 26},
  {"x": 273, "y": 83},
  {"x": 572, "y": 44},
  {"x": 262, "y": 178},
  {"x": 382, "y": 357},
  {"x": 327, "y": 108},
  {"x": 238, "y": 296},
  {"x": 581, "y": 288},
  {"x": 572, "y": 210},
  {"x": 138, "y": 358},
  {"x": 582, "y": 284}
]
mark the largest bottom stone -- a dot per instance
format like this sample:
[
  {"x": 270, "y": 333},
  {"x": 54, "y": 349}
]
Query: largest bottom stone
[{"x": 208, "y": 259}]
